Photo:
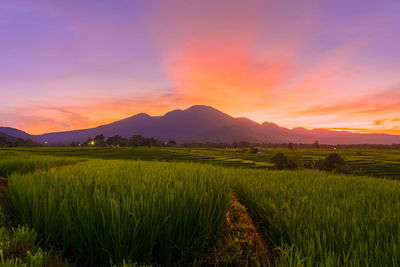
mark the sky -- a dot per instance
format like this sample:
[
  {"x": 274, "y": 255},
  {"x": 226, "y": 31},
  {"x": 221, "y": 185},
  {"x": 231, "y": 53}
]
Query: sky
[{"x": 73, "y": 64}]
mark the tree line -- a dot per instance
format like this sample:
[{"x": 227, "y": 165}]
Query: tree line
[
  {"x": 139, "y": 140},
  {"x": 117, "y": 140},
  {"x": 18, "y": 142}
]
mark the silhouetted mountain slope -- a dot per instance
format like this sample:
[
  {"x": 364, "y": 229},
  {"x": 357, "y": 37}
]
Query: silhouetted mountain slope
[
  {"x": 14, "y": 132},
  {"x": 203, "y": 123},
  {"x": 7, "y": 137}
]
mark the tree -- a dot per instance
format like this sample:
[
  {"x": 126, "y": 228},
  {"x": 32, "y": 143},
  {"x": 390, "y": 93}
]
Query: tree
[
  {"x": 254, "y": 150},
  {"x": 116, "y": 140},
  {"x": 19, "y": 142},
  {"x": 137, "y": 140},
  {"x": 74, "y": 144},
  {"x": 316, "y": 144},
  {"x": 334, "y": 162},
  {"x": 3, "y": 141},
  {"x": 171, "y": 143},
  {"x": 280, "y": 161},
  {"x": 152, "y": 142},
  {"x": 99, "y": 140},
  {"x": 319, "y": 164},
  {"x": 290, "y": 146},
  {"x": 30, "y": 143},
  {"x": 291, "y": 164},
  {"x": 243, "y": 144},
  {"x": 89, "y": 142}
]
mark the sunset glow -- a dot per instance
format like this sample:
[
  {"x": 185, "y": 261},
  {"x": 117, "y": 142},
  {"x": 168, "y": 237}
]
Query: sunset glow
[{"x": 68, "y": 65}]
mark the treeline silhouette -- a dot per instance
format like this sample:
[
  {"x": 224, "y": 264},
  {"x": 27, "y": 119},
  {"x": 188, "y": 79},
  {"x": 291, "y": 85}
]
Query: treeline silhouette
[
  {"x": 245, "y": 144},
  {"x": 139, "y": 140},
  {"x": 119, "y": 141},
  {"x": 18, "y": 142}
]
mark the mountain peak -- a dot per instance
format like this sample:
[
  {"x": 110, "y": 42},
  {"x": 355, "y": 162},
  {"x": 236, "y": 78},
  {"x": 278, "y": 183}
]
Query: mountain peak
[
  {"x": 141, "y": 115},
  {"x": 201, "y": 108},
  {"x": 270, "y": 124}
]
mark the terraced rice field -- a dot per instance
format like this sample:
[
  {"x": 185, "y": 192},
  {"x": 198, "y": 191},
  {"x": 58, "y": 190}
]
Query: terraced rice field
[
  {"x": 161, "y": 211},
  {"x": 379, "y": 163}
]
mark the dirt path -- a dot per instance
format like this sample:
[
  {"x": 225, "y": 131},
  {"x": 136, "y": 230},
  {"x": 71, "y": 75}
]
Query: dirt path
[
  {"x": 240, "y": 242},
  {"x": 3, "y": 186}
]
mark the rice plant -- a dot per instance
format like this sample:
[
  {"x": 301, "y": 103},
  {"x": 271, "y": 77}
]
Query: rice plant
[
  {"x": 111, "y": 211},
  {"x": 320, "y": 219},
  {"x": 30, "y": 164}
]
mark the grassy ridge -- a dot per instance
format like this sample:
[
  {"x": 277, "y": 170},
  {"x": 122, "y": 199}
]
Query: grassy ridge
[
  {"x": 115, "y": 210},
  {"x": 316, "y": 219}
]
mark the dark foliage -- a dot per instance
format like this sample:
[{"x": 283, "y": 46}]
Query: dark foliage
[
  {"x": 282, "y": 162},
  {"x": 333, "y": 162},
  {"x": 19, "y": 142}
]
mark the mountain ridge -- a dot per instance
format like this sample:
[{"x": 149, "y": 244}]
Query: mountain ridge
[{"x": 200, "y": 123}]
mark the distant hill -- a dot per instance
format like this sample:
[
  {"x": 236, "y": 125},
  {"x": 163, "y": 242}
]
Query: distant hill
[
  {"x": 15, "y": 133},
  {"x": 7, "y": 137},
  {"x": 204, "y": 123}
]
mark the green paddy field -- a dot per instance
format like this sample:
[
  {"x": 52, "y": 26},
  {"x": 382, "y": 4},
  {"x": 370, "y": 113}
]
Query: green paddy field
[{"x": 196, "y": 207}]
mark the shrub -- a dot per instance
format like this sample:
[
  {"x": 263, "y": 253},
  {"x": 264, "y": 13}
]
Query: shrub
[
  {"x": 334, "y": 162},
  {"x": 253, "y": 150},
  {"x": 282, "y": 162}
]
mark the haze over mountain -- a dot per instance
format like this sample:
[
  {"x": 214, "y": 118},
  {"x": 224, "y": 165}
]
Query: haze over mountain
[{"x": 204, "y": 123}]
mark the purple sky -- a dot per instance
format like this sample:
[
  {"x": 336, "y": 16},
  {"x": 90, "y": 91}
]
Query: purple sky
[{"x": 318, "y": 64}]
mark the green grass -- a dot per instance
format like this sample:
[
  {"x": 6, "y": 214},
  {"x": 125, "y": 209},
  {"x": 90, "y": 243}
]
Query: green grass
[
  {"x": 320, "y": 219},
  {"x": 30, "y": 164},
  {"x": 372, "y": 162},
  {"x": 152, "y": 212},
  {"x": 20, "y": 248},
  {"x": 103, "y": 211}
]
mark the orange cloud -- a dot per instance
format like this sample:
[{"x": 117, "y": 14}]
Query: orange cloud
[
  {"x": 374, "y": 104},
  {"x": 44, "y": 118}
]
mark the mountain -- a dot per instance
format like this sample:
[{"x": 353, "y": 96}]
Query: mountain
[
  {"x": 15, "y": 133},
  {"x": 204, "y": 123},
  {"x": 7, "y": 137}
]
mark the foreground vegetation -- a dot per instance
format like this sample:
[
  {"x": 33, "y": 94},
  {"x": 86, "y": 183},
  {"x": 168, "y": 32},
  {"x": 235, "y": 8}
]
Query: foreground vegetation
[
  {"x": 113, "y": 211},
  {"x": 319, "y": 219},
  {"x": 31, "y": 164},
  {"x": 103, "y": 212}
]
